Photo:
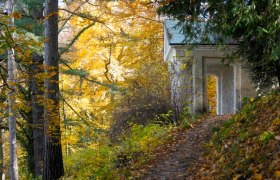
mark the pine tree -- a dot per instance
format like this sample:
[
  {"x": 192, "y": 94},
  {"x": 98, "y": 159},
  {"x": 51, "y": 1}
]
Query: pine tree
[{"x": 53, "y": 162}]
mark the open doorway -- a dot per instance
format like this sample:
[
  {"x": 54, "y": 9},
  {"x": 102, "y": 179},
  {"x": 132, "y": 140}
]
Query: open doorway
[{"x": 211, "y": 85}]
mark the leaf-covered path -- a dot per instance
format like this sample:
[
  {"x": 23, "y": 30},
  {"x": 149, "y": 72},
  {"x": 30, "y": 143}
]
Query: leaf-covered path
[{"x": 174, "y": 160}]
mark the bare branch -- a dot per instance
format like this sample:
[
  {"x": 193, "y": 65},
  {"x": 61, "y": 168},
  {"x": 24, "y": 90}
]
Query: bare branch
[
  {"x": 83, "y": 119},
  {"x": 88, "y": 17},
  {"x": 76, "y": 38},
  {"x": 108, "y": 64},
  {"x": 65, "y": 22}
]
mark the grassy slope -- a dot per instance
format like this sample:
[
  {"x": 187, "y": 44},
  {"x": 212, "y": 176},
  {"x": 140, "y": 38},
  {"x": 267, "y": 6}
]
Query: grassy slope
[{"x": 248, "y": 145}]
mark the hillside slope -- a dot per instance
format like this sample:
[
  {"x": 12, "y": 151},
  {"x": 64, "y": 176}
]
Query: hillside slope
[{"x": 246, "y": 146}]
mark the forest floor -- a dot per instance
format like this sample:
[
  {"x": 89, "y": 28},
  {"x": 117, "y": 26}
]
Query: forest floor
[{"x": 176, "y": 159}]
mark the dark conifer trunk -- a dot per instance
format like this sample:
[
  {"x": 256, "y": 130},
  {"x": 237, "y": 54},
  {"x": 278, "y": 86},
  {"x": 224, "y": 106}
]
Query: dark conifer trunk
[
  {"x": 37, "y": 115},
  {"x": 53, "y": 162}
]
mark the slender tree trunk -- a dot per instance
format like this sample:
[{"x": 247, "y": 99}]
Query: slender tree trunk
[
  {"x": 53, "y": 162},
  {"x": 2, "y": 149},
  {"x": 37, "y": 115},
  {"x": 11, "y": 103},
  {"x": 29, "y": 146},
  {"x": 278, "y": 72},
  {"x": 12, "y": 117},
  {"x": 65, "y": 127},
  {"x": 2, "y": 154}
]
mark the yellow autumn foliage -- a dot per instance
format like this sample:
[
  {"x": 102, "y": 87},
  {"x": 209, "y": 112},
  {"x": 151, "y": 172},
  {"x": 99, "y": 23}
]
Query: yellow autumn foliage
[{"x": 122, "y": 47}]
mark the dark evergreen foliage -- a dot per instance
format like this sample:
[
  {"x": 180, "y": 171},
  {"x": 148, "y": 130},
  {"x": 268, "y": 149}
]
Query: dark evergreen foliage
[{"x": 254, "y": 24}]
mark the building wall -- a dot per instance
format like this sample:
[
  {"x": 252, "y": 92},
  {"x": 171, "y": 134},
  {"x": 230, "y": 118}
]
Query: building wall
[{"x": 188, "y": 71}]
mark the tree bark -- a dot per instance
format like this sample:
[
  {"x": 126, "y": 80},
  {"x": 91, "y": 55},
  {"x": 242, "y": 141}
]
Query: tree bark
[
  {"x": 11, "y": 103},
  {"x": 37, "y": 95},
  {"x": 53, "y": 162},
  {"x": 37, "y": 115},
  {"x": 2, "y": 153}
]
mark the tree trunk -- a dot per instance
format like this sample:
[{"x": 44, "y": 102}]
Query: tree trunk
[
  {"x": 37, "y": 115},
  {"x": 53, "y": 162},
  {"x": 278, "y": 72},
  {"x": 37, "y": 95},
  {"x": 2, "y": 154},
  {"x": 11, "y": 103}
]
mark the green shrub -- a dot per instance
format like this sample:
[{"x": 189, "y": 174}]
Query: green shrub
[
  {"x": 117, "y": 160},
  {"x": 90, "y": 163}
]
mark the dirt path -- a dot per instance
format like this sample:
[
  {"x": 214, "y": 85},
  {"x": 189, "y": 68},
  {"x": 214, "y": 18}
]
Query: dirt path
[{"x": 175, "y": 159}]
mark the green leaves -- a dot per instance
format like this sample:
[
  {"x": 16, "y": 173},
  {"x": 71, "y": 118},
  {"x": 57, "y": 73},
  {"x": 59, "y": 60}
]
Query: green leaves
[
  {"x": 266, "y": 136},
  {"x": 275, "y": 54},
  {"x": 32, "y": 4},
  {"x": 253, "y": 24},
  {"x": 76, "y": 72},
  {"x": 117, "y": 160}
]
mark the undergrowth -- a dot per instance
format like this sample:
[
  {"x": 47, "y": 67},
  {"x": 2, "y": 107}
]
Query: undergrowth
[
  {"x": 130, "y": 152},
  {"x": 118, "y": 160},
  {"x": 248, "y": 145}
]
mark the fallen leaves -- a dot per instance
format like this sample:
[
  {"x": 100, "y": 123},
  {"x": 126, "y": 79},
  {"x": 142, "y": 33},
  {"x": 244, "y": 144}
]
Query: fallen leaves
[
  {"x": 246, "y": 147},
  {"x": 277, "y": 174},
  {"x": 185, "y": 148}
]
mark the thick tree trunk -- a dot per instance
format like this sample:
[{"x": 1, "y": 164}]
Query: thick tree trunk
[
  {"x": 11, "y": 103},
  {"x": 37, "y": 95},
  {"x": 37, "y": 115},
  {"x": 53, "y": 162}
]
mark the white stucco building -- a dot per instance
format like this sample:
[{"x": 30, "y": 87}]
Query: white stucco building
[{"x": 189, "y": 65}]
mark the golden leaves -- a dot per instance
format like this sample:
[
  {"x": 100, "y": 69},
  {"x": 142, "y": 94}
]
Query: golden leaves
[
  {"x": 257, "y": 177},
  {"x": 16, "y": 15},
  {"x": 236, "y": 177},
  {"x": 277, "y": 174},
  {"x": 125, "y": 38}
]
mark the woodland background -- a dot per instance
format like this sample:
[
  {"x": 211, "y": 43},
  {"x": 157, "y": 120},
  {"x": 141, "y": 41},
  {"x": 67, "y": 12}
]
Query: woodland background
[
  {"x": 98, "y": 106},
  {"x": 111, "y": 76}
]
